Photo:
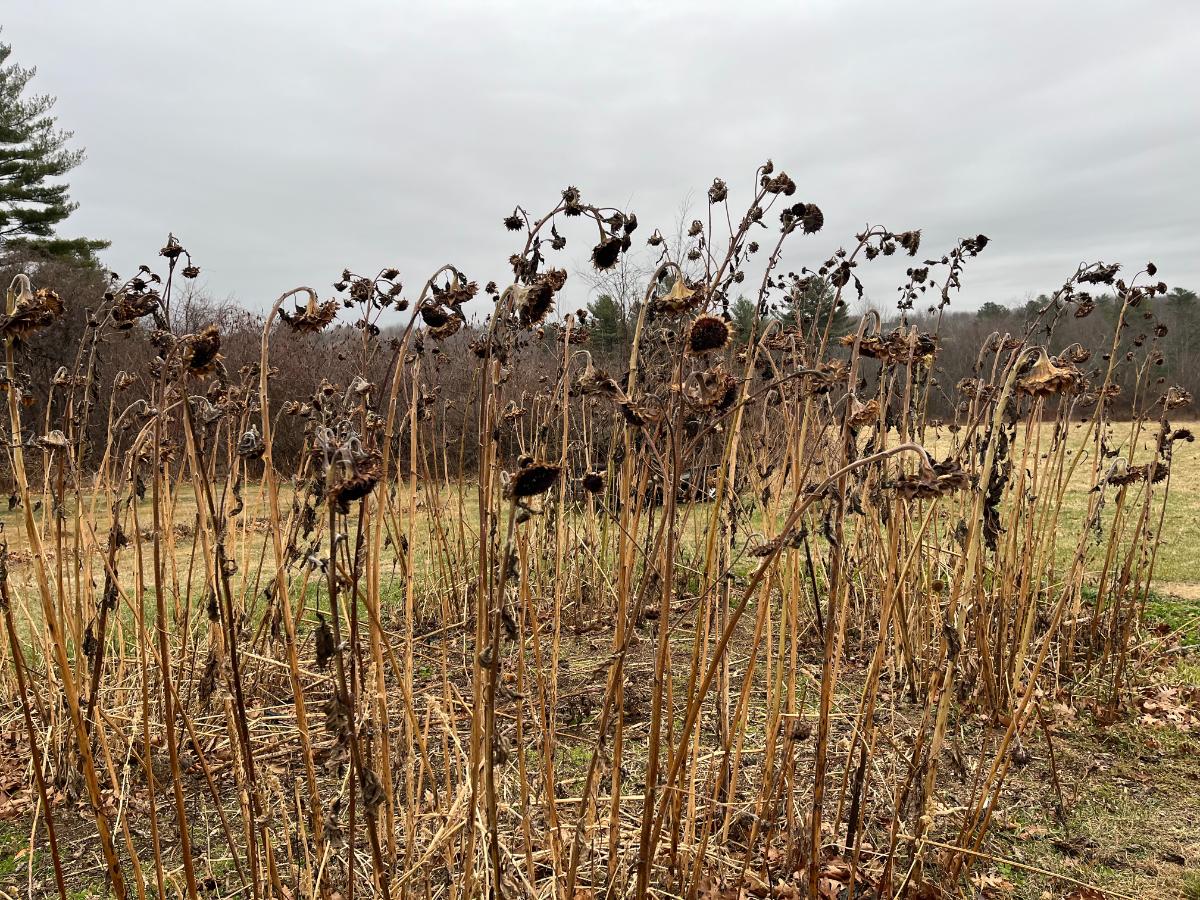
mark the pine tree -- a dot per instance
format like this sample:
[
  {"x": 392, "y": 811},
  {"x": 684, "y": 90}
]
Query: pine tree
[
  {"x": 33, "y": 157},
  {"x": 609, "y": 325},
  {"x": 812, "y": 301},
  {"x": 992, "y": 310},
  {"x": 743, "y": 313}
]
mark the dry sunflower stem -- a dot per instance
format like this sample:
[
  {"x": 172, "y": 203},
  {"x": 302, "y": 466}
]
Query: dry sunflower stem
[{"x": 526, "y": 601}]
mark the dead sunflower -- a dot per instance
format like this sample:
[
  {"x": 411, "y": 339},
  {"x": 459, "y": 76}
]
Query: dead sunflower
[
  {"x": 707, "y": 333},
  {"x": 1122, "y": 473},
  {"x": 128, "y": 308},
  {"x": 54, "y": 440},
  {"x": 1176, "y": 397},
  {"x": 910, "y": 241},
  {"x": 634, "y": 415},
  {"x": 679, "y": 299},
  {"x": 357, "y": 486},
  {"x": 534, "y": 301},
  {"x": 250, "y": 445},
  {"x": 1048, "y": 376},
  {"x": 606, "y": 253},
  {"x": 441, "y": 321},
  {"x": 435, "y": 316},
  {"x": 928, "y": 483},
  {"x": 31, "y": 311},
  {"x": 533, "y": 479},
  {"x": 314, "y": 317},
  {"x": 711, "y": 389},
  {"x": 202, "y": 350},
  {"x": 862, "y": 413},
  {"x": 593, "y": 482}
]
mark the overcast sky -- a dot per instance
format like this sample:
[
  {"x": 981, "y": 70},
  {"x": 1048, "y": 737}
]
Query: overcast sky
[{"x": 283, "y": 141}]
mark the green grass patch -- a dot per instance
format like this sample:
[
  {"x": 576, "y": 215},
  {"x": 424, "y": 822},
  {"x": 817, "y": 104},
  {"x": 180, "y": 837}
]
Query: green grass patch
[{"x": 1178, "y": 614}]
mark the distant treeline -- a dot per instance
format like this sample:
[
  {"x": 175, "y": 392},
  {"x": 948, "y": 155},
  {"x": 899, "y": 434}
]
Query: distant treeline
[{"x": 116, "y": 363}]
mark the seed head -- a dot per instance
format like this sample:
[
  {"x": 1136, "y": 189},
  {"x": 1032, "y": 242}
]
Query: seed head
[
  {"x": 679, "y": 299},
  {"x": 202, "y": 350},
  {"x": 533, "y": 479},
  {"x": 312, "y": 318},
  {"x": 593, "y": 482},
  {"x": 706, "y": 334},
  {"x": 606, "y": 253}
]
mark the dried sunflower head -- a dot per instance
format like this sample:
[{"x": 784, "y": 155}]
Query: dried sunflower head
[
  {"x": 445, "y": 331},
  {"x": 458, "y": 291},
  {"x": 1100, "y": 273},
  {"x": 1076, "y": 354},
  {"x": 862, "y": 413},
  {"x": 572, "y": 201},
  {"x": 31, "y": 311},
  {"x": 606, "y": 253},
  {"x": 312, "y": 318},
  {"x": 435, "y": 316},
  {"x": 706, "y": 334},
  {"x": 250, "y": 444},
  {"x": 533, "y": 479},
  {"x": 1182, "y": 434},
  {"x": 1048, "y": 375},
  {"x": 594, "y": 381},
  {"x": 202, "y": 350},
  {"x": 1122, "y": 473},
  {"x": 829, "y": 375},
  {"x": 807, "y": 216},
  {"x": 593, "y": 482},
  {"x": 173, "y": 248},
  {"x": 635, "y": 415},
  {"x": 54, "y": 440},
  {"x": 360, "y": 483},
  {"x": 910, "y": 241},
  {"x": 441, "y": 321},
  {"x": 128, "y": 307},
  {"x": 1176, "y": 397},
  {"x": 780, "y": 184},
  {"x": 930, "y": 482},
  {"x": 679, "y": 299},
  {"x": 711, "y": 389},
  {"x": 533, "y": 302}
]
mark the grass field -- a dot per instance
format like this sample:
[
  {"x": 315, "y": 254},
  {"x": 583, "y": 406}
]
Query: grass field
[
  {"x": 1176, "y": 573},
  {"x": 1124, "y": 811}
]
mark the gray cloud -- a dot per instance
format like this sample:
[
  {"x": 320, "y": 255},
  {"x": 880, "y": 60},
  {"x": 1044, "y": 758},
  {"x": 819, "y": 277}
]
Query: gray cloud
[{"x": 282, "y": 142}]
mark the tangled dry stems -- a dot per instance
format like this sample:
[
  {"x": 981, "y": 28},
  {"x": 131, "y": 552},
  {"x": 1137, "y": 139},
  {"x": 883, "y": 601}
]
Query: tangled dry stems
[{"x": 611, "y": 655}]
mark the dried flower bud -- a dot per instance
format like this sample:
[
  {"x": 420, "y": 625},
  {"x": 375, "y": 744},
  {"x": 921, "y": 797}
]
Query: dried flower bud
[{"x": 572, "y": 203}]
